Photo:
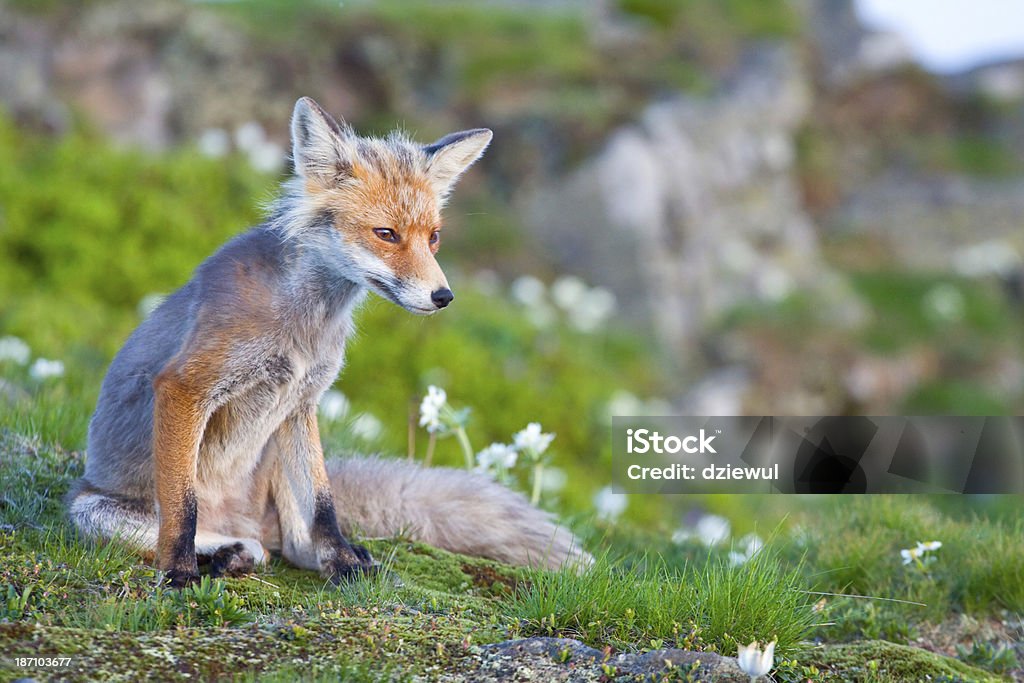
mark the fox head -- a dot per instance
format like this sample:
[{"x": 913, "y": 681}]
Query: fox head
[{"x": 381, "y": 201}]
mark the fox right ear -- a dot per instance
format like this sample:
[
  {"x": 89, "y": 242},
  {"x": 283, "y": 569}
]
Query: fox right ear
[{"x": 320, "y": 145}]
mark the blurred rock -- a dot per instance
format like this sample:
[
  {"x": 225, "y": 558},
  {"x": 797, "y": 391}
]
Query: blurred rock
[
  {"x": 874, "y": 383},
  {"x": 845, "y": 49},
  {"x": 693, "y": 209},
  {"x": 939, "y": 223},
  {"x": 565, "y": 659},
  {"x": 1002, "y": 82},
  {"x": 24, "y": 73},
  {"x": 721, "y": 393}
]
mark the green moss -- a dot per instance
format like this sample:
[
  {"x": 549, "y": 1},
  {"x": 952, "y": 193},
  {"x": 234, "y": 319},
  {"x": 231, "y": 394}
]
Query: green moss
[
  {"x": 878, "y": 660},
  {"x": 391, "y": 640},
  {"x": 419, "y": 614}
]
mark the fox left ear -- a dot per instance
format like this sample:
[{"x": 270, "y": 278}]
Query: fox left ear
[
  {"x": 451, "y": 155},
  {"x": 320, "y": 145}
]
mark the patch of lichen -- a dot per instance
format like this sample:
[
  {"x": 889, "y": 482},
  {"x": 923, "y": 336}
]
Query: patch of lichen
[
  {"x": 395, "y": 638},
  {"x": 412, "y": 574},
  {"x": 880, "y": 660},
  {"x": 423, "y": 610}
]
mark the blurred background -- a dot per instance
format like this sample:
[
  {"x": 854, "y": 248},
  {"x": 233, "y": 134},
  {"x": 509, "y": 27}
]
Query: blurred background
[{"x": 706, "y": 207}]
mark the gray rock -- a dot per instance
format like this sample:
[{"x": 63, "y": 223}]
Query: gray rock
[
  {"x": 933, "y": 222},
  {"x": 564, "y": 659},
  {"x": 694, "y": 209}
]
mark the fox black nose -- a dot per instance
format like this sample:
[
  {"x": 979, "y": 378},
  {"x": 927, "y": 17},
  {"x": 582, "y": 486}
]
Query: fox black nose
[{"x": 442, "y": 297}]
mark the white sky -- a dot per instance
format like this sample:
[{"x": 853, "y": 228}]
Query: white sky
[{"x": 951, "y": 35}]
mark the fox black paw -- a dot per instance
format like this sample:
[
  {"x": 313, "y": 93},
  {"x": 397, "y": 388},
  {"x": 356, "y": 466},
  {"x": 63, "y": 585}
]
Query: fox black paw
[
  {"x": 362, "y": 553},
  {"x": 232, "y": 560},
  {"x": 352, "y": 563},
  {"x": 176, "y": 578}
]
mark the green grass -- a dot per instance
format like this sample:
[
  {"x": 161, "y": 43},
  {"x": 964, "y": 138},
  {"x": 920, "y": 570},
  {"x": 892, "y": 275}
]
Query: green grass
[
  {"x": 980, "y": 567},
  {"x": 99, "y": 603},
  {"x": 714, "y": 607}
]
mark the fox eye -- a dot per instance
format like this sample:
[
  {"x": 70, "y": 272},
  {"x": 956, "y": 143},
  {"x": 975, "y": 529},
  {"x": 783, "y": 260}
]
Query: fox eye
[
  {"x": 435, "y": 237},
  {"x": 386, "y": 234}
]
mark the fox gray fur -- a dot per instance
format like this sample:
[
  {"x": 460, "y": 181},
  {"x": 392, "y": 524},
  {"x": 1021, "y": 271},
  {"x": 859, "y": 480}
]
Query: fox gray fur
[{"x": 204, "y": 444}]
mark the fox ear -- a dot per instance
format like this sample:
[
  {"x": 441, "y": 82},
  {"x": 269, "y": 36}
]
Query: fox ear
[
  {"x": 320, "y": 145},
  {"x": 451, "y": 155}
]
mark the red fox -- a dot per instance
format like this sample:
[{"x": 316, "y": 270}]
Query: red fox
[{"x": 204, "y": 444}]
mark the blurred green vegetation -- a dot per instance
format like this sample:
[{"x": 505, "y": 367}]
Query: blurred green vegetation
[
  {"x": 956, "y": 325},
  {"x": 485, "y": 43},
  {"x": 743, "y": 19},
  {"x": 537, "y": 61},
  {"x": 89, "y": 230}
]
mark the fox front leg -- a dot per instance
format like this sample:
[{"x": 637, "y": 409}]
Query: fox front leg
[
  {"x": 178, "y": 421},
  {"x": 310, "y": 536}
]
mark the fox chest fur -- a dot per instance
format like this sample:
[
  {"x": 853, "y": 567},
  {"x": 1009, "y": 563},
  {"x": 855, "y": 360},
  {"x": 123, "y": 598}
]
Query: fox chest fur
[
  {"x": 289, "y": 377},
  {"x": 290, "y": 352}
]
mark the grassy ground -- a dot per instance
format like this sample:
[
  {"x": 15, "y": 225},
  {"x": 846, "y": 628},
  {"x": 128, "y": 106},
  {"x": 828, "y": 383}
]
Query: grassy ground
[{"x": 100, "y": 605}]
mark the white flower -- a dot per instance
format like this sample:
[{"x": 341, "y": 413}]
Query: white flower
[
  {"x": 712, "y": 529},
  {"x": 553, "y": 479},
  {"x": 750, "y": 545},
  {"x": 367, "y": 427},
  {"x": 541, "y": 315},
  {"x": 249, "y": 136},
  {"x": 496, "y": 458},
  {"x": 610, "y": 505},
  {"x": 944, "y": 302},
  {"x": 213, "y": 142},
  {"x": 532, "y": 440},
  {"x": 736, "y": 559},
  {"x": 593, "y": 310},
  {"x": 680, "y": 536},
  {"x": 45, "y": 369},
  {"x": 754, "y": 662},
  {"x": 149, "y": 303},
  {"x": 624, "y": 404},
  {"x": 15, "y": 350},
  {"x": 266, "y": 157},
  {"x": 528, "y": 290},
  {"x": 333, "y": 405},
  {"x": 919, "y": 552},
  {"x": 567, "y": 292},
  {"x": 430, "y": 408},
  {"x": 994, "y": 257}
]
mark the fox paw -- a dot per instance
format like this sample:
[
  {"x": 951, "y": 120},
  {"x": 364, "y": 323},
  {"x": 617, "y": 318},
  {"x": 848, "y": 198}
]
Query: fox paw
[
  {"x": 232, "y": 560},
  {"x": 180, "y": 578},
  {"x": 350, "y": 563}
]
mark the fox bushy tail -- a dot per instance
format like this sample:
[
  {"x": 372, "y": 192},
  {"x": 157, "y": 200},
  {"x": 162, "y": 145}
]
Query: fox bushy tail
[{"x": 457, "y": 510}]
